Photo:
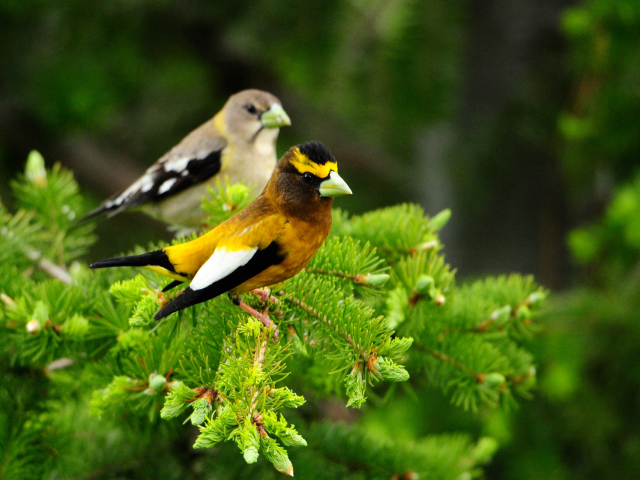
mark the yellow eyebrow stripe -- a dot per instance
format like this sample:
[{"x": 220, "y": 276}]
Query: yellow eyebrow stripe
[{"x": 303, "y": 164}]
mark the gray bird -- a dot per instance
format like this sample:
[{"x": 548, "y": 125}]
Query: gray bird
[{"x": 238, "y": 144}]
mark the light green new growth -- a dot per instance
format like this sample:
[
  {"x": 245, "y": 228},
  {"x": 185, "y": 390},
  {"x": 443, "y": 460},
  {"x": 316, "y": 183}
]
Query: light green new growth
[
  {"x": 177, "y": 400},
  {"x": 377, "y": 305},
  {"x": 225, "y": 201}
]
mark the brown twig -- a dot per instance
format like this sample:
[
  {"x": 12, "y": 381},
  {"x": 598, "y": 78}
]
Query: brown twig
[
  {"x": 258, "y": 361},
  {"x": 359, "y": 278},
  {"x": 447, "y": 359},
  {"x": 209, "y": 394},
  {"x": 57, "y": 272}
]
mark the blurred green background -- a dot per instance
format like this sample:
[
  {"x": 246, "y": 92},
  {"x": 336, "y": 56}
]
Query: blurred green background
[{"x": 522, "y": 116}]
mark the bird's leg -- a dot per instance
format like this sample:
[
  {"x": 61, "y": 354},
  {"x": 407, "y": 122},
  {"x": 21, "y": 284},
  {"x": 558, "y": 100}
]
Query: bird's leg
[
  {"x": 266, "y": 321},
  {"x": 264, "y": 294}
]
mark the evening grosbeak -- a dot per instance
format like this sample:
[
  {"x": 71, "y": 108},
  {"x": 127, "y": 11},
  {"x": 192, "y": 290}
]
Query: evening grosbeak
[
  {"x": 268, "y": 242},
  {"x": 238, "y": 144}
]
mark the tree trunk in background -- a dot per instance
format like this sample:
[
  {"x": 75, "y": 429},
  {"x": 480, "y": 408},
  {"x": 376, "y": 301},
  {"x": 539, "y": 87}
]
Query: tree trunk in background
[{"x": 514, "y": 218}]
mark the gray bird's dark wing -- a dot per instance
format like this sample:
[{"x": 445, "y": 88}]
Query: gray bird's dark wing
[{"x": 195, "y": 160}]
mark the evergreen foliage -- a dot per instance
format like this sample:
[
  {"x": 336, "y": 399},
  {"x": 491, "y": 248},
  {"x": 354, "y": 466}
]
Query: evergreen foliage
[
  {"x": 600, "y": 123},
  {"x": 589, "y": 360},
  {"x": 377, "y": 305}
]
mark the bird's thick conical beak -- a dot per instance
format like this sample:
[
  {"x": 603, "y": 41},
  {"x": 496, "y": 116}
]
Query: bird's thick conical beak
[
  {"x": 334, "y": 186},
  {"x": 275, "y": 117}
]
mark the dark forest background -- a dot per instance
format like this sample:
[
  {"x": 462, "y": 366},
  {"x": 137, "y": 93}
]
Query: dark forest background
[{"x": 523, "y": 117}]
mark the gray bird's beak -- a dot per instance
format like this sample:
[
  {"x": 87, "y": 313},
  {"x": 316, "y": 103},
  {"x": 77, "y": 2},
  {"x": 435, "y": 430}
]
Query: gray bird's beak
[
  {"x": 275, "y": 117},
  {"x": 334, "y": 186}
]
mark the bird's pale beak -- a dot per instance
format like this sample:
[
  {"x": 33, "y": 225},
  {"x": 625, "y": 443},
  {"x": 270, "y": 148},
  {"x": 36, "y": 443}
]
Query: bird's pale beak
[
  {"x": 334, "y": 186},
  {"x": 275, "y": 117}
]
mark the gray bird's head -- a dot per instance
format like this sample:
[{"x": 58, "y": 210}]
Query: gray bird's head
[{"x": 252, "y": 114}]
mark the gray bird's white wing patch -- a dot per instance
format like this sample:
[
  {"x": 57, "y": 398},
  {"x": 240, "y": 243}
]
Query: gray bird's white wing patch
[{"x": 193, "y": 161}]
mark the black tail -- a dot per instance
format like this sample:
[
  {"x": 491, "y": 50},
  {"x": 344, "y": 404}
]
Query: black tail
[
  {"x": 157, "y": 258},
  {"x": 186, "y": 299},
  {"x": 178, "y": 303},
  {"x": 94, "y": 213},
  {"x": 104, "y": 208}
]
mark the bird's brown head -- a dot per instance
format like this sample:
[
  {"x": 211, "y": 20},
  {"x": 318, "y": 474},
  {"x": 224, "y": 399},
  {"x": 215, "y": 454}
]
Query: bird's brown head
[
  {"x": 306, "y": 181},
  {"x": 250, "y": 114}
]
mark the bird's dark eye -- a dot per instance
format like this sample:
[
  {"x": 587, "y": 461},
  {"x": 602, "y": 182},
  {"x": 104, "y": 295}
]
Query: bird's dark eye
[
  {"x": 307, "y": 177},
  {"x": 251, "y": 109}
]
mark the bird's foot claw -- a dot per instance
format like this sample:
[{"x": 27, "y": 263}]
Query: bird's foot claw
[
  {"x": 266, "y": 321},
  {"x": 263, "y": 293}
]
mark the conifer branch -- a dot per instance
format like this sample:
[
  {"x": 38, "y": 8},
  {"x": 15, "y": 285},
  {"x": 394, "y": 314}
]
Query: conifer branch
[
  {"x": 313, "y": 312},
  {"x": 350, "y": 319}
]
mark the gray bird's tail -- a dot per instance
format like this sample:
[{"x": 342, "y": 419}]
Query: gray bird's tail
[
  {"x": 94, "y": 213},
  {"x": 107, "y": 207}
]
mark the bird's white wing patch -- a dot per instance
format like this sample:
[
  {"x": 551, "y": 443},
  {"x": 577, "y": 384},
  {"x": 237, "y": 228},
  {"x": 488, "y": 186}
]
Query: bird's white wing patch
[
  {"x": 166, "y": 185},
  {"x": 222, "y": 263},
  {"x": 178, "y": 164},
  {"x": 143, "y": 184}
]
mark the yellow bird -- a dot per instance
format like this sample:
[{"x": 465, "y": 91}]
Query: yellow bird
[
  {"x": 238, "y": 144},
  {"x": 268, "y": 242}
]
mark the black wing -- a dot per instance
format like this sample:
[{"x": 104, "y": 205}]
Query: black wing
[
  {"x": 262, "y": 260},
  {"x": 166, "y": 178},
  {"x": 168, "y": 182}
]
